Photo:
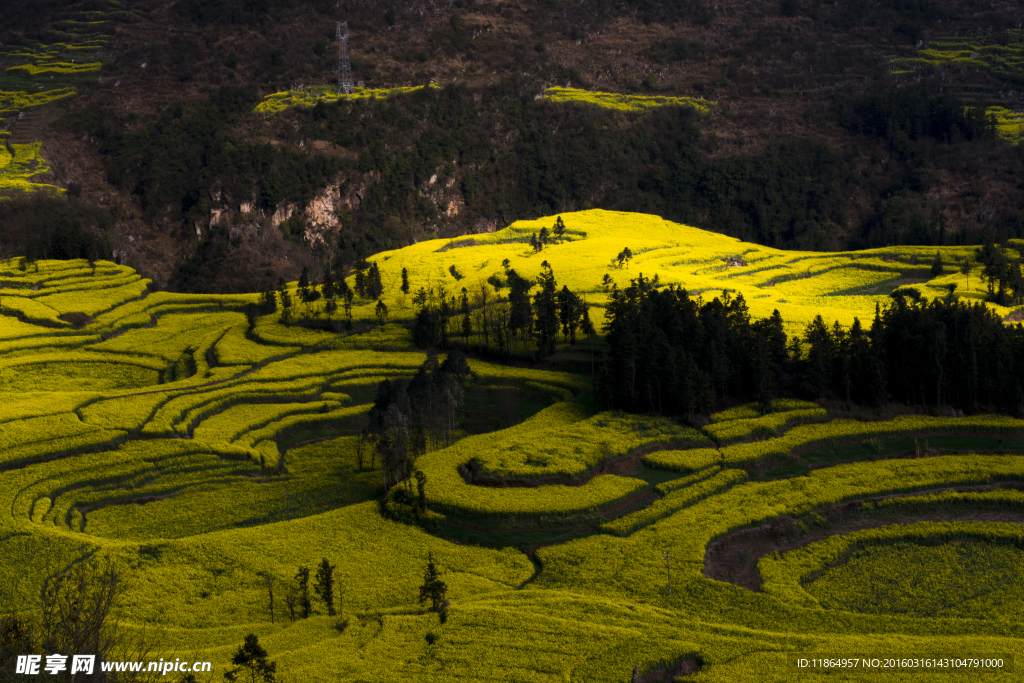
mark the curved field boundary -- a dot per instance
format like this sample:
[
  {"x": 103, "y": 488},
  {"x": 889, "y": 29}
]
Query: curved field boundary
[
  {"x": 232, "y": 423},
  {"x": 45, "y": 344},
  {"x": 136, "y": 470},
  {"x": 93, "y": 300},
  {"x": 733, "y": 557},
  {"x": 448, "y": 493},
  {"x": 668, "y": 487},
  {"x": 750, "y": 411},
  {"x": 783, "y": 575},
  {"x": 279, "y": 428},
  {"x": 839, "y": 431},
  {"x": 86, "y": 284},
  {"x": 37, "y": 438},
  {"x": 692, "y": 460},
  {"x": 1001, "y": 498},
  {"x": 687, "y": 534},
  {"x": 31, "y": 311},
  {"x": 673, "y": 502},
  {"x": 571, "y": 454},
  {"x": 84, "y": 356},
  {"x": 773, "y": 424},
  {"x": 235, "y": 348},
  {"x": 756, "y": 503}
]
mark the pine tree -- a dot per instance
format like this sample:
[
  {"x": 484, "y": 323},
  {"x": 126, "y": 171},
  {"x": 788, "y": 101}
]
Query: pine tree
[
  {"x": 348, "y": 309},
  {"x": 937, "y": 264},
  {"x": 251, "y": 663},
  {"x": 267, "y": 303},
  {"x": 545, "y": 306},
  {"x": 587, "y": 327},
  {"x": 467, "y": 326},
  {"x": 329, "y": 291},
  {"x": 520, "y": 317},
  {"x": 304, "y": 604},
  {"x": 382, "y": 312},
  {"x": 304, "y": 284},
  {"x": 324, "y": 586},
  {"x": 565, "y": 310},
  {"x": 250, "y": 316},
  {"x": 819, "y": 356},
  {"x": 286, "y": 308},
  {"x": 405, "y": 281},
  {"x": 543, "y": 237},
  {"x": 559, "y": 229},
  {"x": 268, "y": 581},
  {"x": 291, "y": 599},
  {"x": 433, "y": 587},
  {"x": 421, "y": 489},
  {"x": 374, "y": 286}
]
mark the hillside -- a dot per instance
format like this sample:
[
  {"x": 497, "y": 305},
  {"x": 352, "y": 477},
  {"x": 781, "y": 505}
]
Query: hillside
[
  {"x": 824, "y": 127},
  {"x": 212, "y": 448}
]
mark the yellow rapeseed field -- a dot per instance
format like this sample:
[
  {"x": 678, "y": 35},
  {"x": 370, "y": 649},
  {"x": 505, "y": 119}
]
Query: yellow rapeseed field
[{"x": 205, "y": 457}]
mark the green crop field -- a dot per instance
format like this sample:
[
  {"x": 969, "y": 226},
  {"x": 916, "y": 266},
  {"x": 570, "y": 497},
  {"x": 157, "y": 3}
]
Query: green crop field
[
  {"x": 212, "y": 449},
  {"x": 310, "y": 97},
  {"x": 40, "y": 75},
  {"x": 927, "y": 569},
  {"x": 622, "y": 102},
  {"x": 19, "y": 164},
  {"x": 1001, "y": 58},
  {"x": 1009, "y": 124},
  {"x": 798, "y": 284}
]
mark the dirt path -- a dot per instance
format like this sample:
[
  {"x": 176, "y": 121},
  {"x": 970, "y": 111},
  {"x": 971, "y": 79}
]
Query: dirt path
[{"x": 734, "y": 557}]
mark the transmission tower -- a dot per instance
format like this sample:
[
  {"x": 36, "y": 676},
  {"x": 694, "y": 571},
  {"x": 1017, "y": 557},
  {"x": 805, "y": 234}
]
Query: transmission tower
[{"x": 344, "y": 66}]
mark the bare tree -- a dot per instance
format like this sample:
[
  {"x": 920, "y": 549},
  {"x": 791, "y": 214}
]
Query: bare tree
[
  {"x": 324, "y": 585},
  {"x": 268, "y": 581},
  {"x": 483, "y": 317},
  {"x": 396, "y": 433},
  {"x": 291, "y": 599},
  {"x": 361, "y": 449},
  {"x": 78, "y": 614}
]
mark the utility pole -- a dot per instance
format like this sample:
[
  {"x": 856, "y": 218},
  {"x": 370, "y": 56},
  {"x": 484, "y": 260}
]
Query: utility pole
[
  {"x": 344, "y": 65},
  {"x": 667, "y": 556}
]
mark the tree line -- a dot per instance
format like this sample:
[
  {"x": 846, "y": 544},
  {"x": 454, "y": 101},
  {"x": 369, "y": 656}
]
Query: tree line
[
  {"x": 410, "y": 418},
  {"x": 791, "y": 194},
  {"x": 670, "y": 353},
  {"x": 515, "y": 322}
]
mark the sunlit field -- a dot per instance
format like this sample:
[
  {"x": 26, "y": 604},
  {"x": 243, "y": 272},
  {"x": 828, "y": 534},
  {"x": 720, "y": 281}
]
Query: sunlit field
[{"x": 212, "y": 449}]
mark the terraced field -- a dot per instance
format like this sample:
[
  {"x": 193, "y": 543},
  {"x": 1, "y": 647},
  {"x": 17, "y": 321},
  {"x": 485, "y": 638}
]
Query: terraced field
[
  {"x": 1000, "y": 56},
  {"x": 311, "y": 96},
  {"x": 34, "y": 75},
  {"x": 626, "y": 102},
  {"x": 205, "y": 453}
]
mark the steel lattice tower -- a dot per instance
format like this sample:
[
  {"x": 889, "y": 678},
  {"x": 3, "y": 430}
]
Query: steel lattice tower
[{"x": 344, "y": 66}]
